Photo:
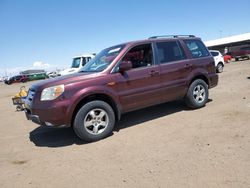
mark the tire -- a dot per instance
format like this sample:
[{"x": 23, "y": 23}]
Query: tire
[
  {"x": 197, "y": 94},
  {"x": 219, "y": 68},
  {"x": 94, "y": 121},
  {"x": 236, "y": 59},
  {"x": 19, "y": 108}
]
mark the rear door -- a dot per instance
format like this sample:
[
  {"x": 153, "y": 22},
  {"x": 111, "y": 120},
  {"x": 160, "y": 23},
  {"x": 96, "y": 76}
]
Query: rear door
[{"x": 174, "y": 69}]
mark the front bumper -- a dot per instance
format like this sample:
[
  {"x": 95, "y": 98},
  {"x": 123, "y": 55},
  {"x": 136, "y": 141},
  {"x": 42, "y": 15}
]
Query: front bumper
[
  {"x": 33, "y": 118},
  {"x": 36, "y": 119}
]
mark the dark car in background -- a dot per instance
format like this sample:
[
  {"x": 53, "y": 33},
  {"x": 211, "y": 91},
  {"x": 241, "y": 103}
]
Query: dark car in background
[
  {"x": 124, "y": 78},
  {"x": 17, "y": 79},
  {"x": 240, "y": 52}
]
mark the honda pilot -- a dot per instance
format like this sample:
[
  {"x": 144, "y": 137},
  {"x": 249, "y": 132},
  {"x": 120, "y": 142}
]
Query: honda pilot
[{"x": 124, "y": 78}]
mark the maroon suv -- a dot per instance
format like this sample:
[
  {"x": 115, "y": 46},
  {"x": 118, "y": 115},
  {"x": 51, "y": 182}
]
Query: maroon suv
[
  {"x": 124, "y": 78},
  {"x": 243, "y": 52}
]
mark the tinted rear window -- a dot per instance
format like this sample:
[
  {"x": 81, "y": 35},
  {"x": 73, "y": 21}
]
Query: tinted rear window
[
  {"x": 197, "y": 48},
  {"x": 169, "y": 51},
  {"x": 214, "y": 53}
]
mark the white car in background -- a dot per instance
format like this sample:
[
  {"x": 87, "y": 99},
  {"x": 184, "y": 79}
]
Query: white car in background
[
  {"x": 77, "y": 64},
  {"x": 53, "y": 74},
  {"x": 219, "y": 60},
  {"x": 5, "y": 78}
]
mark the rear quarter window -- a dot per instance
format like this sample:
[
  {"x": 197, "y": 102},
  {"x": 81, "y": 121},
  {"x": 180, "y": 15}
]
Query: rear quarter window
[{"x": 197, "y": 48}]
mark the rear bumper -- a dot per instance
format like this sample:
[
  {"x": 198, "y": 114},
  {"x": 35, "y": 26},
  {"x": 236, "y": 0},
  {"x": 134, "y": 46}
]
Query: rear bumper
[{"x": 213, "y": 80}]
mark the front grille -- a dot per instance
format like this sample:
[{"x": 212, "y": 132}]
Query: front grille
[{"x": 31, "y": 94}]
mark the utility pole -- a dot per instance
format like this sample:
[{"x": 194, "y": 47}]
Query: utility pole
[{"x": 220, "y": 33}]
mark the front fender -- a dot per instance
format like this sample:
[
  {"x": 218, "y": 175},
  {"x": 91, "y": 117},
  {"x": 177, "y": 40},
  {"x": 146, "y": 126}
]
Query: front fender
[{"x": 80, "y": 95}]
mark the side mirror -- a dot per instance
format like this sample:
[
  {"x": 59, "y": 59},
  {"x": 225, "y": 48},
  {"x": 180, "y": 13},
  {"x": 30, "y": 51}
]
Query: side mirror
[{"x": 125, "y": 65}]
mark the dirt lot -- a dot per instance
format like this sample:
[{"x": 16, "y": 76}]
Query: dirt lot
[{"x": 164, "y": 146}]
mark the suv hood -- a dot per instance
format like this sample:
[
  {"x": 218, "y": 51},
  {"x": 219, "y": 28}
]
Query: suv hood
[{"x": 67, "y": 79}]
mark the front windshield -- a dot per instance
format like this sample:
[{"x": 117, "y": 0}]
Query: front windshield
[
  {"x": 76, "y": 62},
  {"x": 102, "y": 60}
]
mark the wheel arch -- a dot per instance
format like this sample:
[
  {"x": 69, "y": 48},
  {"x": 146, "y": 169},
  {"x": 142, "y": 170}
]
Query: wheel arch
[
  {"x": 98, "y": 96},
  {"x": 200, "y": 76},
  {"x": 221, "y": 63}
]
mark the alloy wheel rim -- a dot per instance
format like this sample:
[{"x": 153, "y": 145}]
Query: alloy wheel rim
[
  {"x": 199, "y": 93},
  {"x": 220, "y": 68},
  {"x": 96, "y": 121}
]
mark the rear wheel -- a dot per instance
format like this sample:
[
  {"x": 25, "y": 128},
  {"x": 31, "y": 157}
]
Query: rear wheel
[
  {"x": 94, "y": 121},
  {"x": 219, "y": 68},
  {"x": 197, "y": 94}
]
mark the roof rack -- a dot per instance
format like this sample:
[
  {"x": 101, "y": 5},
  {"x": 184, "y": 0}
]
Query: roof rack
[{"x": 170, "y": 36}]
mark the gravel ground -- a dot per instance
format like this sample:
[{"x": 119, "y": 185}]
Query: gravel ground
[{"x": 163, "y": 146}]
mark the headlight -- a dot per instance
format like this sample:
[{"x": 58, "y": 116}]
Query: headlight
[{"x": 52, "y": 93}]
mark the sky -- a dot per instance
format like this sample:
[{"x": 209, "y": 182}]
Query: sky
[{"x": 47, "y": 34}]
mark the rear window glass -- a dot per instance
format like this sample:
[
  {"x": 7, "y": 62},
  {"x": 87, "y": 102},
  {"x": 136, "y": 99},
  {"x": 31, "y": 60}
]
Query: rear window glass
[
  {"x": 169, "y": 51},
  {"x": 197, "y": 48},
  {"x": 214, "y": 53}
]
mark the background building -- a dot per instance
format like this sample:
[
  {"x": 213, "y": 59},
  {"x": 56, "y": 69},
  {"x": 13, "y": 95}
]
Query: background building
[{"x": 229, "y": 44}]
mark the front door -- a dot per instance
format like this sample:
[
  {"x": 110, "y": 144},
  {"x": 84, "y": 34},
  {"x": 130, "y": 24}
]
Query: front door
[{"x": 140, "y": 86}]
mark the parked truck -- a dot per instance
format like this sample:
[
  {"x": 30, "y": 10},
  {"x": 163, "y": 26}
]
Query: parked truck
[{"x": 77, "y": 63}]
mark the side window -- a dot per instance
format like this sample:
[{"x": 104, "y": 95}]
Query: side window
[
  {"x": 197, "y": 48},
  {"x": 169, "y": 52},
  {"x": 140, "y": 56},
  {"x": 84, "y": 60},
  {"x": 88, "y": 59},
  {"x": 246, "y": 48}
]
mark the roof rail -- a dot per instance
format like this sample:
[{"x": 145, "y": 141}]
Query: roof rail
[{"x": 170, "y": 36}]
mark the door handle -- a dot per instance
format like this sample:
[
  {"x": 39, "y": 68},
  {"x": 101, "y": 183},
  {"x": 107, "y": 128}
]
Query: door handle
[{"x": 154, "y": 73}]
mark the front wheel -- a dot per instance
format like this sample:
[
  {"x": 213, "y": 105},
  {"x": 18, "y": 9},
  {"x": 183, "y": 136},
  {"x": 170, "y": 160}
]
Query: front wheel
[
  {"x": 19, "y": 108},
  {"x": 94, "y": 121},
  {"x": 197, "y": 94}
]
